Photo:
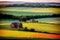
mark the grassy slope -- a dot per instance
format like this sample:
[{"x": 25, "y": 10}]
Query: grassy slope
[{"x": 32, "y": 11}]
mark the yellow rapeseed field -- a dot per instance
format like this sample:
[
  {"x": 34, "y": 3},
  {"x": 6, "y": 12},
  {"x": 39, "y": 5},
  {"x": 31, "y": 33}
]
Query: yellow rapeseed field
[
  {"x": 52, "y": 28},
  {"x": 52, "y": 10},
  {"x": 22, "y": 34},
  {"x": 44, "y": 27}
]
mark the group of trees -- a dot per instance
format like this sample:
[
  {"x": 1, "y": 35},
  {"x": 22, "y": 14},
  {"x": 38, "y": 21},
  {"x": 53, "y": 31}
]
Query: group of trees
[
  {"x": 7, "y": 16},
  {"x": 25, "y": 18}
]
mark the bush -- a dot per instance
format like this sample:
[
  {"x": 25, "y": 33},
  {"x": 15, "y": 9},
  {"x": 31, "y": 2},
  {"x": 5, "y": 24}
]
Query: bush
[{"x": 33, "y": 30}]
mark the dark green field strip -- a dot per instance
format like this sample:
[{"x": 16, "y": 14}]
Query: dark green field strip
[{"x": 27, "y": 38}]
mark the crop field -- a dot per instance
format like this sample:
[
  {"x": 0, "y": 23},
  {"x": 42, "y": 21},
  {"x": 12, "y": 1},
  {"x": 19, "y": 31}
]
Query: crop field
[
  {"x": 44, "y": 27},
  {"x": 22, "y": 34},
  {"x": 38, "y": 26}
]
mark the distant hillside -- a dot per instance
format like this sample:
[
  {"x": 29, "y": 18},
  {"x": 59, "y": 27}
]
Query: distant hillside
[{"x": 31, "y": 5}]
